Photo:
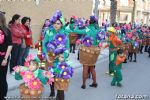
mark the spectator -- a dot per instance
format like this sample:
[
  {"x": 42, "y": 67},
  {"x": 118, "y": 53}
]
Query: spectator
[
  {"x": 5, "y": 50},
  {"x": 17, "y": 36},
  {"x": 27, "y": 40}
]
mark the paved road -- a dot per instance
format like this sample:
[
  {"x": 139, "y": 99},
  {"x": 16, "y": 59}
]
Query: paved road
[{"x": 136, "y": 81}]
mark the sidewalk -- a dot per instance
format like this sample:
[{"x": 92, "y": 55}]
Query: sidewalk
[{"x": 13, "y": 84}]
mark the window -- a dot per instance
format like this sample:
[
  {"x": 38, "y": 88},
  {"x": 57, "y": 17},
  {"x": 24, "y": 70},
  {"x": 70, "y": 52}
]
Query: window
[
  {"x": 107, "y": 2},
  {"x": 123, "y": 2}
]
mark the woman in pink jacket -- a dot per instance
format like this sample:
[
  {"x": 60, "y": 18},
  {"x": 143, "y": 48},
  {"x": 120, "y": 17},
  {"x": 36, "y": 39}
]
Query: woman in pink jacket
[{"x": 17, "y": 36}]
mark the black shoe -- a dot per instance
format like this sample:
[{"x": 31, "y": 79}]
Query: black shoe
[
  {"x": 83, "y": 86},
  {"x": 134, "y": 60},
  {"x": 73, "y": 51},
  {"x": 141, "y": 52},
  {"x": 52, "y": 94},
  {"x": 113, "y": 84},
  {"x": 119, "y": 84},
  {"x": 94, "y": 85}
]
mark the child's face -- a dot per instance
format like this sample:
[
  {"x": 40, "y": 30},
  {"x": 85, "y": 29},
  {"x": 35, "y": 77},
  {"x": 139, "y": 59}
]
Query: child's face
[
  {"x": 33, "y": 66},
  {"x": 121, "y": 54},
  {"x": 61, "y": 58}
]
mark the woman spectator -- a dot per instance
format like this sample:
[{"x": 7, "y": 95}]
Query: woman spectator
[
  {"x": 17, "y": 36},
  {"x": 5, "y": 50},
  {"x": 27, "y": 40}
]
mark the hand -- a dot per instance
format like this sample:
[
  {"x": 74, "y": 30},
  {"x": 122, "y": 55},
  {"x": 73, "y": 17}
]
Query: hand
[
  {"x": 23, "y": 31},
  {"x": 18, "y": 69},
  {"x": 4, "y": 62},
  {"x": 48, "y": 75}
]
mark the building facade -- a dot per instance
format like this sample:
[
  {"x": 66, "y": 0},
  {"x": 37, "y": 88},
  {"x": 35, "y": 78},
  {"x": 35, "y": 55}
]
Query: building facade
[
  {"x": 125, "y": 10},
  {"x": 44, "y": 10}
]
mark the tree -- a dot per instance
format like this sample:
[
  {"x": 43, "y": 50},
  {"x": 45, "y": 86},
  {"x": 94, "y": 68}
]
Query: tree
[
  {"x": 113, "y": 11},
  {"x": 95, "y": 8},
  {"x": 133, "y": 12}
]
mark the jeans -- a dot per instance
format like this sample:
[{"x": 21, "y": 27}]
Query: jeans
[
  {"x": 23, "y": 54},
  {"x": 14, "y": 56}
]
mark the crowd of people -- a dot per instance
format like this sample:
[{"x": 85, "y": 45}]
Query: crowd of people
[
  {"x": 16, "y": 40},
  {"x": 123, "y": 41}
]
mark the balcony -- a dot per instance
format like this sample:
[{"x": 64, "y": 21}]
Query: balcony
[{"x": 119, "y": 8}]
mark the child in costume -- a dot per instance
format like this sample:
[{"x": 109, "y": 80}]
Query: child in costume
[
  {"x": 142, "y": 37},
  {"x": 134, "y": 46},
  {"x": 33, "y": 77},
  {"x": 113, "y": 44},
  {"x": 72, "y": 36},
  {"x": 32, "y": 64},
  {"x": 117, "y": 78},
  {"x": 56, "y": 35},
  {"x": 45, "y": 27}
]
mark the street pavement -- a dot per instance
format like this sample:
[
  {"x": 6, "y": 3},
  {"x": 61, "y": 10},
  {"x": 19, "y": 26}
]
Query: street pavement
[{"x": 136, "y": 80}]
